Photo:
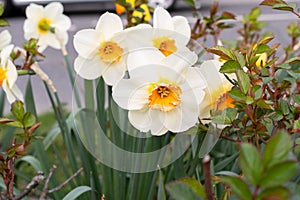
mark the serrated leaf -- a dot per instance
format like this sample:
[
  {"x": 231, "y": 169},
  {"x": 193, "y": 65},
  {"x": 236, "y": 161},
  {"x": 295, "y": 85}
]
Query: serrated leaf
[
  {"x": 186, "y": 189},
  {"x": 250, "y": 163},
  {"x": 76, "y": 192},
  {"x": 277, "y": 149},
  {"x": 279, "y": 174},
  {"x": 230, "y": 67},
  {"x": 243, "y": 81},
  {"x": 238, "y": 186}
]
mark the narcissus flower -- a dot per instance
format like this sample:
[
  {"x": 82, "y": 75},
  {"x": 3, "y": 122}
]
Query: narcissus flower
[
  {"x": 44, "y": 23},
  {"x": 216, "y": 93},
  {"x": 168, "y": 35},
  {"x": 9, "y": 75},
  {"x": 262, "y": 60},
  {"x": 161, "y": 98},
  {"x": 5, "y": 39},
  {"x": 99, "y": 52}
]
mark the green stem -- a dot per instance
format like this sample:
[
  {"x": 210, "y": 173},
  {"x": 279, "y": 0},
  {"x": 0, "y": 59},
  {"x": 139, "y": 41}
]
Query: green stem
[
  {"x": 72, "y": 80},
  {"x": 23, "y": 72}
]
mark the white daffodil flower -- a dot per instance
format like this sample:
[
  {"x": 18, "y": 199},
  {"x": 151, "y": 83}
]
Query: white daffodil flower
[
  {"x": 9, "y": 75},
  {"x": 216, "y": 93},
  {"x": 43, "y": 23},
  {"x": 161, "y": 98},
  {"x": 100, "y": 53},
  {"x": 168, "y": 34},
  {"x": 5, "y": 39}
]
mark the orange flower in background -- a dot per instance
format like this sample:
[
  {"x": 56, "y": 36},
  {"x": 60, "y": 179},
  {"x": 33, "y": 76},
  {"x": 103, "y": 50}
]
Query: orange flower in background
[{"x": 120, "y": 9}]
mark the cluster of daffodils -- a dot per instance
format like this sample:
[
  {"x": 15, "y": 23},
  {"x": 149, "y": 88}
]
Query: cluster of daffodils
[{"x": 151, "y": 70}]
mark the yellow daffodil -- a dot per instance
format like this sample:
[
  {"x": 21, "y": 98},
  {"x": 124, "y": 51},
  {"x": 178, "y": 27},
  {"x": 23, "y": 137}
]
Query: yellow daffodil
[
  {"x": 99, "y": 52},
  {"x": 44, "y": 23},
  {"x": 9, "y": 75},
  {"x": 136, "y": 13},
  {"x": 262, "y": 60},
  {"x": 160, "y": 97}
]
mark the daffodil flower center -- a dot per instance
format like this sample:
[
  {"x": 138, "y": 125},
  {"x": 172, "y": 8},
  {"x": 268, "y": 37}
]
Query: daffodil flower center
[
  {"x": 44, "y": 25},
  {"x": 221, "y": 100},
  {"x": 110, "y": 52},
  {"x": 165, "y": 45},
  {"x": 2, "y": 75},
  {"x": 164, "y": 97}
]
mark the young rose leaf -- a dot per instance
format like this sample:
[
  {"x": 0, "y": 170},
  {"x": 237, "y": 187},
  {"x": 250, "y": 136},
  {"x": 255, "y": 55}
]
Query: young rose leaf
[
  {"x": 186, "y": 189},
  {"x": 28, "y": 119},
  {"x": 280, "y": 192},
  {"x": 271, "y": 2},
  {"x": 265, "y": 40},
  {"x": 243, "y": 80},
  {"x": 227, "y": 15},
  {"x": 230, "y": 67},
  {"x": 283, "y": 7},
  {"x": 240, "y": 59},
  {"x": 5, "y": 120},
  {"x": 277, "y": 149},
  {"x": 238, "y": 186},
  {"x": 279, "y": 174},
  {"x": 237, "y": 94},
  {"x": 224, "y": 53},
  {"x": 250, "y": 163},
  {"x": 17, "y": 110}
]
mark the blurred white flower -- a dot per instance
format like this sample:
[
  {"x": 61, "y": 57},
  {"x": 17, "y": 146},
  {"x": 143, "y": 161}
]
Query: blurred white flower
[
  {"x": 216, "y": 93},
  {"x": 43, "y": 23},
  {"x": 161, "y": 98},
  {"x": 9, "y": 75},
  {"x": 5, "y": 39},
  {"x": 100, "y": 53}
]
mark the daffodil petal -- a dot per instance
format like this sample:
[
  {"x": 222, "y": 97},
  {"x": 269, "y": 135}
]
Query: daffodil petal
[
  {"x": 157, "y": 127},
  {"x": 89, "y": 68},
  {"x": 34, "y": 11},
  {"x": 54, "y": 9},
  {"x": 17, "y": 92},
  {"x": 9, "y": 94},
  {"x": 162, "y": 19},
  {"x": 5, "y": 39},
  {"x": 49, "y": 39},
  {"x": 181, "y": 26},
  {"x": 30, "y": 29},
  {"x": 5, "y": 54},
  {"x": 130, "y": 95},
  {"x": 142, "y": 57},
  {"x": 11, "y": 74},
  {"x": 62, "y": 22},
  {"x": 114, "y": 73},
  {"x": 109, "y": 24},
  {"x": 86, "y": 42},
  {"x": 140, "y": 119}
]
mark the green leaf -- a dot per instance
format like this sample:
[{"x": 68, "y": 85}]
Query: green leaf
[
  {"x": 227, "y": 116},
  {"x": 274, "y": 193},
  {"x": 250, "y": 163},
  {"x": 277, "y": 149},
  {"x": 35, "y": 163},
  {"x": 279, "y": 174},
  {"x": 16, "y": 124},
  {"x": 186, "y": 189},
  {"x": 224, "y": 53},
  {"x": 297, "y": 98},
  {"x": 238, "y": 186},
  {"x": 1, "y": 9},
  {"x": 283, "y": 7},
  {"x": 76, "y": 192},
  {"x": 161, "y": 190},
  {"x": 243, "y": 81},
  {"x": 28, "y": 119},
  {"x": 237, "y": 94},
  {"x": 230, "y": 67},
  {"x": 271, "y": 2},
  {"x": 5, "y": 120},
  {"x": 3, "y": 23},
  {"x": 284, "y": 107},
  {"x": 240, "y": 59},
  {"x": 17, "y": 110}
]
